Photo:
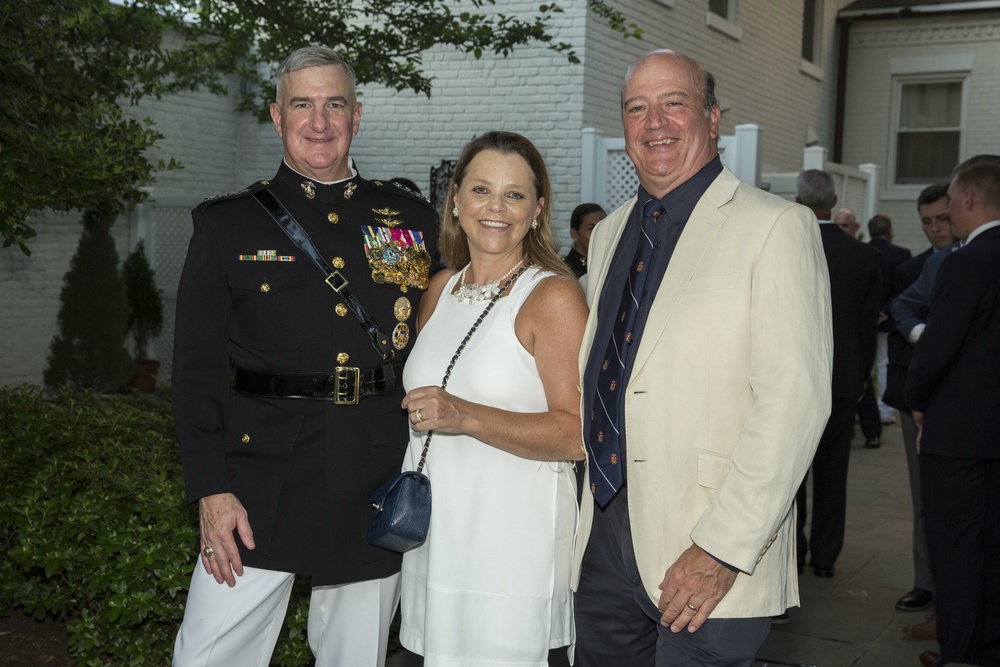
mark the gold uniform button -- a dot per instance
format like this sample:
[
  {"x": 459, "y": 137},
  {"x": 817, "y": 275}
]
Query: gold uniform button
[
  {"x": 343, "y": 358},
  {"x": 265, "y": 288},
  {"x": 341, "y": 309},
  {"x": 333, "y": 217},
  {"x": 245, "y": 439},
  {"x": 338, "y": 262}
]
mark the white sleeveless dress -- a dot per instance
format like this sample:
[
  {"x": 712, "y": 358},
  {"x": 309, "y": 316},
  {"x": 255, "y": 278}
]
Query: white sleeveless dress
[{"x": 491, "y": 585}]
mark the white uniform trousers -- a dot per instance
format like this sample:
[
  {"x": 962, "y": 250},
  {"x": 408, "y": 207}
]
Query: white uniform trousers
[{"x": 348, "y": 623}]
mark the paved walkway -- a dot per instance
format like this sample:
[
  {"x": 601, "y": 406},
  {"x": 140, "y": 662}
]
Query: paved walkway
[{"x": 850, "y": 620}]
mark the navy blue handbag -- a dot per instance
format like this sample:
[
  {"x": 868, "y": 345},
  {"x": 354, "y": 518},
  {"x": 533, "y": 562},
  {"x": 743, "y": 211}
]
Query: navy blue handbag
[{"x": 402, "y": 508}]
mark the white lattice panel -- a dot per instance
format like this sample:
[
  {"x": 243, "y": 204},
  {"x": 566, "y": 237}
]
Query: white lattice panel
[
  {"x": 171, "y": 233},
  {"x": 851, "y": 193},
  {"x": 622, "y": 181},
  {"x": 163, "y": 346}
]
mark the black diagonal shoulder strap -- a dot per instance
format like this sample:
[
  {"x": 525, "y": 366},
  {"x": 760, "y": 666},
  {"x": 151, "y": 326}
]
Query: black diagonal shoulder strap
[{"x": 332, "y": 277}]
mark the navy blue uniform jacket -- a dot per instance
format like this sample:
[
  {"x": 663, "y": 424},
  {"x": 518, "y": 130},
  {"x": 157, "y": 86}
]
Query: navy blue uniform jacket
[{"x": 303, "y": 468}]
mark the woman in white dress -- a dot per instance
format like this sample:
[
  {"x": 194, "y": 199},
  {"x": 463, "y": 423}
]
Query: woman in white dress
[{"x": 491, "y": 585}]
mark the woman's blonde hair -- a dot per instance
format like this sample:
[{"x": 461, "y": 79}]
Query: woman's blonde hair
[{"x": 539, "y": 244}]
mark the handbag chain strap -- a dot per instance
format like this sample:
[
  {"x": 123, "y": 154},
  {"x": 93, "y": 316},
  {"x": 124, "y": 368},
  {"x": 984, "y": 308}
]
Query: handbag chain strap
[{"x": 461, "y": 346}]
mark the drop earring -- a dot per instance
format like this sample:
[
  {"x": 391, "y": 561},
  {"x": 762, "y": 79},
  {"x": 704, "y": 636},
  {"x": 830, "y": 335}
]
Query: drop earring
[
  {"x": 454, "y": 211},
  {"x": 534, "y": 223}
]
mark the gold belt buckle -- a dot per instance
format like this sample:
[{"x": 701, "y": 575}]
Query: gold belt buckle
[{"x": 344, "y": 394}]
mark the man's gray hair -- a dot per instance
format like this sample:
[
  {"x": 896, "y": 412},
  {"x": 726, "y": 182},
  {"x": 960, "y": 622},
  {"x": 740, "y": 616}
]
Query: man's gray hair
[
  {"x": 816, "y": 188},
  {"x": 313, "y": 56}
]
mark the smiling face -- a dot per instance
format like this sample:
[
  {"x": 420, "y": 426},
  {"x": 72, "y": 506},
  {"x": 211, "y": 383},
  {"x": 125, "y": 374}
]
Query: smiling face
[
  {"x": 496, "y": 203},
  {"x": 668, "y": 136},
  {"x": 317, "y": 118}
]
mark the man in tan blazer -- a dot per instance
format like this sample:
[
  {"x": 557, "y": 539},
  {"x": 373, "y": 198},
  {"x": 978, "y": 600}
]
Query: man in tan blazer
[{"x": 701, "y": 416}]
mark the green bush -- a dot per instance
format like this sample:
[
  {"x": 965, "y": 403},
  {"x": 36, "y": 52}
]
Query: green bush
[
  {"x": 144, "y": 301},
  {"x": 94, "y": 528},
  {"x": 89, "y": 349}
]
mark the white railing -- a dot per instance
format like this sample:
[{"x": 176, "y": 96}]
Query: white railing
[
  {"x": 608, "y": 178},
  {"x": 857, "y": 187}
]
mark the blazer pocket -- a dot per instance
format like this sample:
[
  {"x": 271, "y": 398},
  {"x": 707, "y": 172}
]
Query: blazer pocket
[
  {"x": 255, "y": 425},
  {"x": 711, "y": 283},
  {"x": 267, "y": 297},
  {"x": 712, "y": 469},
  {"x": 258, "y": 456}
]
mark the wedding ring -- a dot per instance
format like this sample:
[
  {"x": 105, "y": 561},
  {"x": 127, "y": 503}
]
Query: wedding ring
[
  {"x": 694, "y": 609},
  {"x": 209, "y": 552},
  {"x": 419, "y": 416}
]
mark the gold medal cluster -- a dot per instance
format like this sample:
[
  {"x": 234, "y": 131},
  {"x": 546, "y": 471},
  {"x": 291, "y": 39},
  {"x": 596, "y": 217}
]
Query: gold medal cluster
[
  {"x": 400, "y": 265},
  {"x": 393, "y": 262}
]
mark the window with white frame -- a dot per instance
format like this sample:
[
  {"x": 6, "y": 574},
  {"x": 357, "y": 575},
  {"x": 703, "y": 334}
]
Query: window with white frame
[
  {"x": 812, "y": 28},
  {"x": 928, "y": 129},
  {"x": 721, "y": 16},
  {"x": 724, "y": 8}
]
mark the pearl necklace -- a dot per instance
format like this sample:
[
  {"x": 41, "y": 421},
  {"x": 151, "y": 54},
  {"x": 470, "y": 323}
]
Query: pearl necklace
[{"x": 477, "y": 294}]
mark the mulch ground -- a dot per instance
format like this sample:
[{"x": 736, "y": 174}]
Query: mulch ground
[{"x": 25, "y": 642}]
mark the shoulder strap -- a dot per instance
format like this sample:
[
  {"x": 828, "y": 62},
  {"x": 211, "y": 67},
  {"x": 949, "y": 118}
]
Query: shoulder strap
[{"x": 332, "y": 277}]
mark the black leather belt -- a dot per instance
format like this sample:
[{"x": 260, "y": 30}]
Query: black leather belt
[{"x": 346, "y": 385}]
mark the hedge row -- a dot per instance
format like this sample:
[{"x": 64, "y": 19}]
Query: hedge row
[{"x": 94, "y": 528}]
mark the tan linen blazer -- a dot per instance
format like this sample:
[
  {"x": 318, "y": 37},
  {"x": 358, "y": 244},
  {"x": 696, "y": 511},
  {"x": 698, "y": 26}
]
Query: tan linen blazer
[{"x": 729, "y": 394}]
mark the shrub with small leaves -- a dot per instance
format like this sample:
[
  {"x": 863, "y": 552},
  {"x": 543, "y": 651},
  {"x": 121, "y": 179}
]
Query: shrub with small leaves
[{"x": 94, "y": 528}]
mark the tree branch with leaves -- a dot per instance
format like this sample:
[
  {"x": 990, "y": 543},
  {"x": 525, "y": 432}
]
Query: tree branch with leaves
[{"x": 69, "y": 67}]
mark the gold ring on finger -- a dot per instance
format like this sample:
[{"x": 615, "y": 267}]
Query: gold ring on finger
[
  {"x": 209, "y": 552},
  {"x": 692, "y": 608}
]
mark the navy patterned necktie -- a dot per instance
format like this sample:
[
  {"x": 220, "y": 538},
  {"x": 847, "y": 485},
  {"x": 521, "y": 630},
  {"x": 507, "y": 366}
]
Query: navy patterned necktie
[{"x": 606, "y": 417}]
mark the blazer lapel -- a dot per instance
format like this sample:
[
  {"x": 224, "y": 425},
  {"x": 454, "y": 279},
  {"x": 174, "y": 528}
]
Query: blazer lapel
[{"x": 705, "y": 222}]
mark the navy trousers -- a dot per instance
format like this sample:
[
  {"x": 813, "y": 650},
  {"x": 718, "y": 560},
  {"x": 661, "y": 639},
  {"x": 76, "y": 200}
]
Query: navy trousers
[{"x": 617, "y": 624}]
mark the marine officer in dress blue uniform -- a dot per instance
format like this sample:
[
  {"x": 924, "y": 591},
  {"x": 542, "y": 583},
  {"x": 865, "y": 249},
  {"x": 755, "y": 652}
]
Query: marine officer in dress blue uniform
[{"x": 287, "y": 405}]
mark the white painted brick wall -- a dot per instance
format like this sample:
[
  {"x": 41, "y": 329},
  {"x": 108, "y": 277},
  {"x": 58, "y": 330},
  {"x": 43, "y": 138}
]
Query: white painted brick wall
[{"x": 534, "y": 92}]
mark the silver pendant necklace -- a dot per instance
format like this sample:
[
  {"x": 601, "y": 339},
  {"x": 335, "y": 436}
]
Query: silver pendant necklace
[{"x": 475, "y": 293}]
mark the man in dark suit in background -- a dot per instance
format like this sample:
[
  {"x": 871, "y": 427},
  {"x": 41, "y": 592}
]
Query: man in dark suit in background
[
  {"x": 932, "y": 206},
  {"x": 872, "y": 411},
  {"x": 953, "y": 390},
  {"x": 287, "y": 407},
  {"x": 855, "y": 285}
]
